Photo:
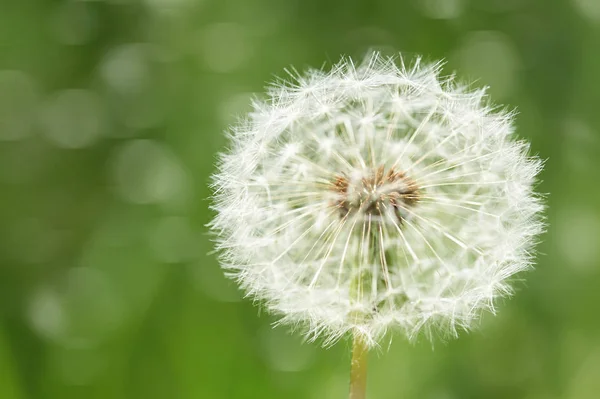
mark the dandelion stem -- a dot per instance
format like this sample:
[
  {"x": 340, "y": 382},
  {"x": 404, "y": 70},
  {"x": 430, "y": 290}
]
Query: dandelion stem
[{"x": 358, "y": 368}]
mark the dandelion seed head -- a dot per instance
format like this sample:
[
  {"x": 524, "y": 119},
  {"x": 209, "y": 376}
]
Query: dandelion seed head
[{"x": 376, "y": 197}]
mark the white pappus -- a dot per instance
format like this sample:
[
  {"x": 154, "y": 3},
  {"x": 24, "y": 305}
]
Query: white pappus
[{"x": 375, "y": 197}]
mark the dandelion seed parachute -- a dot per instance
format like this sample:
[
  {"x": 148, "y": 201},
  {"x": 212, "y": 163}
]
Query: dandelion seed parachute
[{"x": 376, "y": 197}]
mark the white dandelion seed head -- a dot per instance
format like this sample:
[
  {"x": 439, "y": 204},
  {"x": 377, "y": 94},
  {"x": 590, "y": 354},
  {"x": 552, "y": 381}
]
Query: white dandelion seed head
[{"x": 376, "y": 197}]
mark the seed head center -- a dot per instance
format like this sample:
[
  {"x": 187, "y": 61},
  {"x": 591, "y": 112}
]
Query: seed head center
[{"x": 376, "y": 193}]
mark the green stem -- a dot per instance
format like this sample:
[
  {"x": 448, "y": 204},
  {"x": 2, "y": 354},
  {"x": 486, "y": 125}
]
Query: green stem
[
  {"x": 360, "y": 349},
  {"x": 358, "y": 368}
]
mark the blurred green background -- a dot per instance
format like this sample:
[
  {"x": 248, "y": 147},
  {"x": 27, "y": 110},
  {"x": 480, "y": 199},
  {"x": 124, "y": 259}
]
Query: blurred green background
[{"x": 111, "y": 113}]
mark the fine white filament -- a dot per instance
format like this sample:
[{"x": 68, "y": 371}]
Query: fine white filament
[{"x": 374, "y": 197}]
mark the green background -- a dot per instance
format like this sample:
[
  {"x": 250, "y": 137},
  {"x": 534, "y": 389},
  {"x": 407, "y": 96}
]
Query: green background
[{"x": 111, "y": 113}]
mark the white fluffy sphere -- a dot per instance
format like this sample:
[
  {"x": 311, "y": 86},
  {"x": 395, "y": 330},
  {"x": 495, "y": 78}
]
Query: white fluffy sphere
[{"x": 375, "y": 197}]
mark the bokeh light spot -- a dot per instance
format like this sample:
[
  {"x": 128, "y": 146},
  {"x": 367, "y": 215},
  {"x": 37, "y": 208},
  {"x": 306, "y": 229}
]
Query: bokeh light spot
[
  {"x": 125, "y": 68},
  {"x": 585, "y": 382},
  {"x": 170, "y": 6},
  {"x": 73, "y": 118},
  {"x": 18, "y": 99},
  {"x": 581, "y": 145},
  {"x": 588, "y": 9},
  {"x": 283, "y": 351},
  {"x": 144, "y": 171},
  {"x": 46, "y": 314},
  {"x": 92, "y": 308},
  {"x": 224, "y": 47},
  {"x": 490, "y": 56},
  {"x": 441, "y": 9},
  {"x": 577, "y": 232}
]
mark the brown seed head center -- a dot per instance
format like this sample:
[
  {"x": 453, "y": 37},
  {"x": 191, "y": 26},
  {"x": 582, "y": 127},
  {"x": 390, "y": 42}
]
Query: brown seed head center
[{"x": 376, "y": 194}]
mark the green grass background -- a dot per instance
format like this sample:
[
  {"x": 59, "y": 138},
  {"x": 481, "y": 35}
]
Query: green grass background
[{"x": 111, "y": 113}]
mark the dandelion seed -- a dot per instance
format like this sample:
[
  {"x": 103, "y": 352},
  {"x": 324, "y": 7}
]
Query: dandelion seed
[{"x": 374, "y": 198}]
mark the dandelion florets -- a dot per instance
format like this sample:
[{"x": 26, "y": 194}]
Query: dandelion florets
[{"x": 376, "y": 197}]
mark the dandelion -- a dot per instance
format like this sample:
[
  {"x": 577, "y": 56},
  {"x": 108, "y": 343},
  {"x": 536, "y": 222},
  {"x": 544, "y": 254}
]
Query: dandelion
[{"x": 373, "y": 198}]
